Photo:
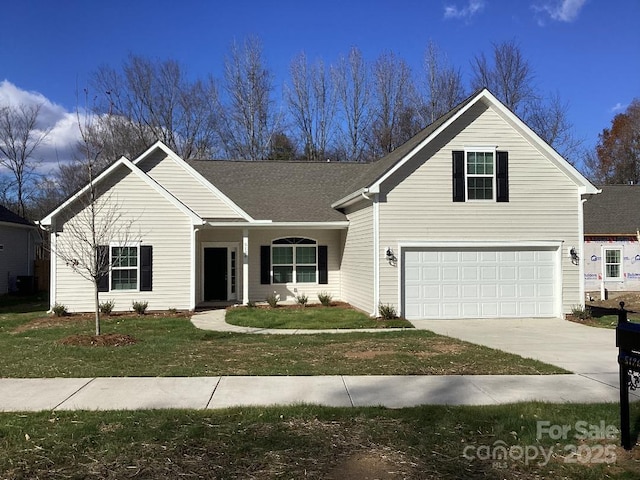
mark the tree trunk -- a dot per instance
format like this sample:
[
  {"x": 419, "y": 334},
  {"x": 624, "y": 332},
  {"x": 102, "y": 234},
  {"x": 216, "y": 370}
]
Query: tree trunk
[{"x": 97, "y": 307}]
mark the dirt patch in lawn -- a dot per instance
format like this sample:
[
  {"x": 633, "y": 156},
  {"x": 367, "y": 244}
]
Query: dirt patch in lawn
[
  {"x": 49, "y": 322},
  {"x": 105, "y": 340},
  {"x": 631, "y": 302},
  {"x": 55, "y": 321},
  {"x": 368, "y": 354}
]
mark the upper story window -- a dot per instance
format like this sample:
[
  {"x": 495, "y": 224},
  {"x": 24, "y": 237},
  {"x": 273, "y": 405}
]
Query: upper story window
[
  {"x": 294, "y": 260},
  {"x": 612, "y": 263},
  {"x": 480, "y": 174}
]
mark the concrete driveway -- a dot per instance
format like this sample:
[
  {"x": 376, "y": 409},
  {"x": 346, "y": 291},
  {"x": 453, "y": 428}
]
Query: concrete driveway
[{"x": 574, "y": 347}]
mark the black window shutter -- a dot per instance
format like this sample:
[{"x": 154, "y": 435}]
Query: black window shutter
[
  {"x": 458, "y": 175},
  {"x": 102, "y": 254},
  {"x": 502, "y": 177},
  {"x": 323, "y": 267},
  {"x": 146, "y": 268},
  {"x": 265, "y": 264}
]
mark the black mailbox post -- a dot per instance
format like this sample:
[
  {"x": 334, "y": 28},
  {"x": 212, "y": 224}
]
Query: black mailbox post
[{"x": 628, "y": 343}]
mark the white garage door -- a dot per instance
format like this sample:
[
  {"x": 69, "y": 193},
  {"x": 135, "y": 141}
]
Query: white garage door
[{"x": 479, "y": 283}]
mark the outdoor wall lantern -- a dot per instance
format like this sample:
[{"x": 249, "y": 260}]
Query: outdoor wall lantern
[
  {"x": 391, "y": 257},
  {"x": 575, "y": 259}
]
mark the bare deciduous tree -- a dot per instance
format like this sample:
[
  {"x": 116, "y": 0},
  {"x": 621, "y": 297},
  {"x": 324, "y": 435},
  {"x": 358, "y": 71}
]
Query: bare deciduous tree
[
  {"x": 311, "y": 102},
  {"x": 151, "y": 100},
  {"x": 352, "y": 83},
  {"x": 394, "y": 115},
  {"x": 507, "y": 75},
  {"x": 95, "y": 222},
  {"x": 442, "y": 86},
  {"x": 549, "y": 120},
  {"x": 249, "y": 120},
  {"x": 20, "y": 137}
]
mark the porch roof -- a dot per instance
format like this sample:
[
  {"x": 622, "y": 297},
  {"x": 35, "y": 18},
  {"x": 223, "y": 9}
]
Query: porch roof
[{"x": 283, "y": 191}]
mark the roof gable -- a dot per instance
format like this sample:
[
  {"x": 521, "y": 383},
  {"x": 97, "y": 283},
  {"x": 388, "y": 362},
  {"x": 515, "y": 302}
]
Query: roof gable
[
  {"x": 124, "y": 162},
  {"x": 384, "y": 168},
  {"x": 195, "y": 175}
]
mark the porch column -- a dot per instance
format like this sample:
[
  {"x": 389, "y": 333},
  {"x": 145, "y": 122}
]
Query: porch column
[{"x": 245, "y": 266}]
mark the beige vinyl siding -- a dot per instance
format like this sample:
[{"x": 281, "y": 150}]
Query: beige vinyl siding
[
  {"x": 543, "y": 202},
  {"x": 357, "y": 261},
  {"x": 185, "y": 187},
  {"x": 16, "y": 256},
  {"x": 330, "y": 238},
  {"x": 156, "y": 222}
]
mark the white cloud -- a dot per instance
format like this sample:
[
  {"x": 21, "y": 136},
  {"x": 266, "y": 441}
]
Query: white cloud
[
  {"x": 618, "y": 107},
  {"x": 466, "y": 12},
  {"x": 561, "y": 10},
  {"x": 63, "y": 125}
]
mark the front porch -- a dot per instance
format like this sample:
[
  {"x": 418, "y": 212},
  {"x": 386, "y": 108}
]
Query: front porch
[{"x": 235, "y": 265}]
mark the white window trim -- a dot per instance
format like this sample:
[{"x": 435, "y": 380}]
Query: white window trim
[
  {"x": 112, "y": 268},
  {"x": 604, "y": 264},
  {"x": 294, "y": 264},
  {"x": 491, "y": 150}
]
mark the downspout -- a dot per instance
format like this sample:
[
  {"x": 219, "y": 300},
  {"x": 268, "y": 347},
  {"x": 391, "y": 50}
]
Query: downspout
[{"x": 376, "y": 249}]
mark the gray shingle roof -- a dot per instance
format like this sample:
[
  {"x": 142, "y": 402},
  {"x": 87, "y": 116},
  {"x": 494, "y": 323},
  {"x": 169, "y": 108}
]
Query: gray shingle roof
[
  {"x": 615, "y": 211},
  {"x": 303, "y": 191},
  {"x": 282, "y": 191},
  {"x": 8, "y": 216}
]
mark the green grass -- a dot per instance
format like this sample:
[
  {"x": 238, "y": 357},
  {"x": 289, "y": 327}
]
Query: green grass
[
  {"x": 426, "y": 442},
  {"x": 312, "y": 317},
  {"x": 172, "y": 346}
]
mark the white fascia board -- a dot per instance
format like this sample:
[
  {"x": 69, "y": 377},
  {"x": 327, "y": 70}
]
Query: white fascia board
[
  {"x": 185, "y": 166},
  {"x": 339, "y": 225},
  {"x": 584, "y": 185},
  {"x": 268, "y": 224},
  {"x": 482, "y": 244},
  {"x": 47, "y": 220},
  {"x": 349, "y": 199}
]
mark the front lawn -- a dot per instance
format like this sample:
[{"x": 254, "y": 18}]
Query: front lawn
[
  {"x": 313, "y": 317},
  {"x": 428, "y": 442},
  {"x": 33, "y": 345}
]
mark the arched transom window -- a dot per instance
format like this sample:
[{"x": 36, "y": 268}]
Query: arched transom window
[{"x": 294, "y": 260}]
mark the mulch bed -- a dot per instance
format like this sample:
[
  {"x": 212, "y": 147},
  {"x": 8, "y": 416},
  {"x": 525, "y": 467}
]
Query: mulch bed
[{"x": 105, "y": 340}]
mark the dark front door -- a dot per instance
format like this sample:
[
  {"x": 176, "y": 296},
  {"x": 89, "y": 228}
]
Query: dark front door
[{"x": 215, "y": 274}]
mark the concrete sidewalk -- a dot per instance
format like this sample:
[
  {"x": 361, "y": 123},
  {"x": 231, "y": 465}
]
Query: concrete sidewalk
[
  {"x": 588, "y": 351},
  {"x": 133, "y": 393}
]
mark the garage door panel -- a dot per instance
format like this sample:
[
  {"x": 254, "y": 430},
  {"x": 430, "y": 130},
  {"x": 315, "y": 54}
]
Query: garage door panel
[
  {"x": 450, "y": 274},
  {"x": 450, "y": 291},
  {"x": 476, "y": 283}
]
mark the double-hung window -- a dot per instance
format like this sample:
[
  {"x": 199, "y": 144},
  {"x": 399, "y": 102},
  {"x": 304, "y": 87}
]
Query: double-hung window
[
  {"x": 612, "y": 263},
  {"x": 480, "y": 175},
  {"x": 294, "y": 260},
  {"x": 124, "y": 268}
]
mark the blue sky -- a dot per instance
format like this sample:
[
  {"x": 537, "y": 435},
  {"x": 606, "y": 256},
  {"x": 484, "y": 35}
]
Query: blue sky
[{"x": 588, "y": 51}]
